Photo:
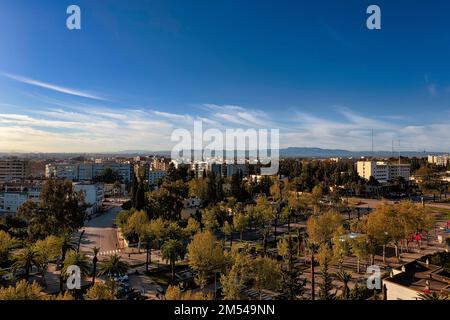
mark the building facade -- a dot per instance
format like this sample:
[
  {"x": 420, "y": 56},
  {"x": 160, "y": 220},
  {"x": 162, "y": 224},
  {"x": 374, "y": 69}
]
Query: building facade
[
  {"x": 11, "y": 200},
  {"x": 94, "y": 194},
  {"x": 383, "y": 171},
  {"x": 88, "y": 171},
  {"x": 155, "y": 175},
  {"x": 441, "y": 160},
  {"x": 13, "y": 170}
]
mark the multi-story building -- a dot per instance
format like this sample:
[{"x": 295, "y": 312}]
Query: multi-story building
[
  {"x": 441, "y": 160},
  {"x": 160, "y": 164},
  {"x": 88, "y": 171},
  {"x": 199, "y": 168},
  {"x": 67, "y": 171},
  {"x": 13, "y": 170},
  {"x": 125, "y": 170},
  {"x": 382, "y": 170},
  {"x": 235, "y": 168},
  {"x": 12, "y": 199},
  {"x": 94, "y": 194},
  {"x": 155, "y": 175},
  {"x": 400, "y": 170}
]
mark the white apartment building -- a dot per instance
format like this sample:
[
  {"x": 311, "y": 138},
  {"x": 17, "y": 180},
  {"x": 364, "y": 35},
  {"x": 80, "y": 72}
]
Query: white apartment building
[
  {"x": 62, "y": 170},
  {"x": 10, "y": 201},
  {"x": 382, "y": 170},
  {"x": 441, "y": 160},
  {"x": 199, "y": 168},
  {"x": 94, "y": 194},
  {"x": 88, "y": 171}
]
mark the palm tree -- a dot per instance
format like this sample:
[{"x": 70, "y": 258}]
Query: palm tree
[
  {"x": 432, "y": 296},
  {"x": 148, "y": 235},
  {"x": 114, "y": 267},
  {"x": 74, "y": 258},
  {"x": 313, "y": 248},
  {"x": 66, "y": 245},
  {"x": 26, "y": 260},
  {"x": 172, "y": 250},
  {"x": 95, "y": 252},
  {"x": 345, "y": 278},
  {"x": 79, "y": 239}
]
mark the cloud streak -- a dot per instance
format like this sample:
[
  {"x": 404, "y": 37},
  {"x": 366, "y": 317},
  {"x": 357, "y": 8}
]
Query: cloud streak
[{"x": 53, "y": 87}]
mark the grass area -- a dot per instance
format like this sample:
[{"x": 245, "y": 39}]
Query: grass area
[
  {"x": 163, "y": 275},
  {"x": 444, "y": 211}
]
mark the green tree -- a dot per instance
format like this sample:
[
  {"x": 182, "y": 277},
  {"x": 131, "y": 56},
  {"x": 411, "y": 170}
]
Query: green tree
[
  {"x": 108, "y": 175},
  {"x": 192, "y": 227},
  {"x": 345, "y": 278},
  {"x": 60, "y": 210},
  {"x": 228, "y": 229},
  {"x": 321, "y": 228},
  {"x": 264, "y": 214},
  {"x": 6, "y": 244},
  {"x": 99, "y": 291},
  {"x": 266, "y": 273},
  {"x": 26, "y": 260},
  {"x": 47, "y": 250},
  {"x": 288, "y": 251},
  {"x": 95, "y": 252},
  {"x": 433, "y": 296},
  {"x": 360, "y": 250},
  {"x": 172, "y": 251},
  {"x": 137, "y": 224},
  {"x": 341, "y": 247},
  {"x": 23, "y": 291},
  {"x": 316, "y": 197},
  {"x": 209, "y": 219},
  {"x": 325, "y": 256},
  {"x": 234, "y": 280},
  {"x": 74, "y": 258},
  {"x": 113, "y": 267},
  {"x": 240, "y": 222},
  {"x": 205, "y": 256}
]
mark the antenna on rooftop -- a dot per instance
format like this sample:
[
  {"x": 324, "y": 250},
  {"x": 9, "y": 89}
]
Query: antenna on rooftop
[
  {"x": 399, "y": 156},
  {"x": 372, "y": 145},
  {"x": 392, "y": 148}
]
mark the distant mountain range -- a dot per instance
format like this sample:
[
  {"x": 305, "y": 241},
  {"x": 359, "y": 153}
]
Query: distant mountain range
[
  {"x": 322, "y": 153},
  {"x": 287, "y": 152},
  {"x": 312, "y": 153}
]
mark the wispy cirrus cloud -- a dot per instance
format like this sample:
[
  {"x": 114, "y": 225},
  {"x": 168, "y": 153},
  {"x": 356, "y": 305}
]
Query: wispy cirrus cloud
[
  {"x": 77, "y": 127},
  {"x": 53, "y": 87}
]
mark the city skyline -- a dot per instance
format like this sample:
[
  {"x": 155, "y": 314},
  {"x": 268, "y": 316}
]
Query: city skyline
[{"x": 136, "y": 72}]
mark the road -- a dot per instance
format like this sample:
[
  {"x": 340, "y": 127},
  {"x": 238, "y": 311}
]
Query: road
[{"x": 100, "y": 232}]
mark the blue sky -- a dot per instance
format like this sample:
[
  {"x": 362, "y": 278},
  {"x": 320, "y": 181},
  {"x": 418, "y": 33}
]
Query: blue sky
[{"x": 140, "y": 69}]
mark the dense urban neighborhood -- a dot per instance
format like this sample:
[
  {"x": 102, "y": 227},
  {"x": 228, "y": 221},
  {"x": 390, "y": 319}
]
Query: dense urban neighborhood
[
  {"x": 145, "y": 227},
  {"x": 224, "y": 159}
]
